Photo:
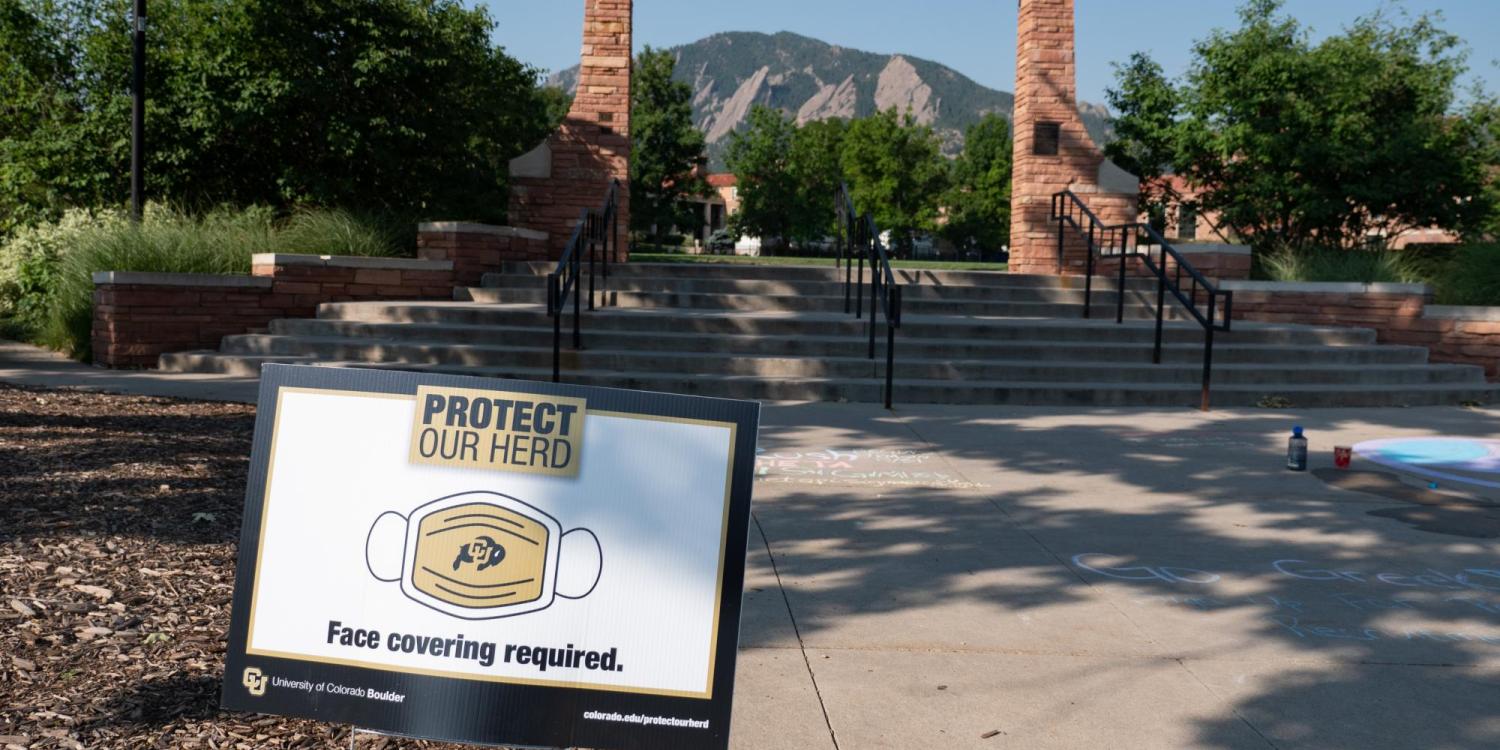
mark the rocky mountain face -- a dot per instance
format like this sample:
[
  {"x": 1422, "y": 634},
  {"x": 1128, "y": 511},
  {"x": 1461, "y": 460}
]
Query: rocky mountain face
[{"x": 814, "y": 80}]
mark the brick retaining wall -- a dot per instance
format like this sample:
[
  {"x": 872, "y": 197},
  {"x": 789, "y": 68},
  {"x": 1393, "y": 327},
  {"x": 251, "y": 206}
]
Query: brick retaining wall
[
  {"x": 1218, "y": 262},
  {"x": 476, "y": 249},
  {"x": 1399, "y": 313},
  {"x": 140, "y": 316}
]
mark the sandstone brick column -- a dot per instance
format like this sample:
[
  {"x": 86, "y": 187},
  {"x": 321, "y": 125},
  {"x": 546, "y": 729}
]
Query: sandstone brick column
[
  {"x": 1047, "y": 96},
  {"x": 571, "y": 171}
]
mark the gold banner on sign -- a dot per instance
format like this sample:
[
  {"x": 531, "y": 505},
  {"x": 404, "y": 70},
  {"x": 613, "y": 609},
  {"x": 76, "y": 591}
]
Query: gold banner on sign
[{"x": 498, "y": 430}]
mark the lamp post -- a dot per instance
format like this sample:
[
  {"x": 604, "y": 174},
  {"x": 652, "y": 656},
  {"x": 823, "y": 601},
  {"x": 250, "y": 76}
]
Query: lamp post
[{"x": 138, "y": 113}]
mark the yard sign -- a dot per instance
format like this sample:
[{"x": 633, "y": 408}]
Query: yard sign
[{"x": 492, "y": 561}]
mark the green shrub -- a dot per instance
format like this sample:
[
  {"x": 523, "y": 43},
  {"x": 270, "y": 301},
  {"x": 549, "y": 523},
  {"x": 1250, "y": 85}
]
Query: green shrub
[
  {"x": 1471, "y": 276},
  {"x": 1459, "y": 274},
  {"x": 30, "y": 267},
  {"x": 340, "y": 232},
  {"x": 1324, "y": 264},
  {"x": 46, "y": 274}
]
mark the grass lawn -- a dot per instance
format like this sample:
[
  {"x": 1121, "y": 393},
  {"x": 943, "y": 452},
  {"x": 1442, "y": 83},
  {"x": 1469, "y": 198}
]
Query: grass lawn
[{"x": 936, "y": 265}]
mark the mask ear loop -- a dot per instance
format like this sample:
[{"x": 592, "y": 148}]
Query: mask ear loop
[
  {"x": 575, "y": 555},
  {"x": 388, "y": 527}
]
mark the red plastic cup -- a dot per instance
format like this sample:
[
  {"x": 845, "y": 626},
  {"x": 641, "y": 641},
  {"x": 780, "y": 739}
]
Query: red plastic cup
[{"x": 1342, "y": 454}]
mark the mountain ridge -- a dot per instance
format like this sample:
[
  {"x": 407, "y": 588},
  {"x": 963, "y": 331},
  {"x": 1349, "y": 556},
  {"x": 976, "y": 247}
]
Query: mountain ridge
[{"x": 811, "y": 79}]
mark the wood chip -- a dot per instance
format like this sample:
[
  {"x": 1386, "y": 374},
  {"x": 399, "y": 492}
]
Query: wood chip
[
  {"x": 98, "y": 592},
  {"x": 83, "y": 514}
]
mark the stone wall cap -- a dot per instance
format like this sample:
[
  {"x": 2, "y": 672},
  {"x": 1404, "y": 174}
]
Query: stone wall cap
[
  {"x": 1463, "y": 312},
  {"x": 1325, "y": 287},
  {"x": 350, "y": 261},
  {"x": 1222, "y": 248},
  {"x": 141, "y": 278},
  {"x": 469, "y": 227}
]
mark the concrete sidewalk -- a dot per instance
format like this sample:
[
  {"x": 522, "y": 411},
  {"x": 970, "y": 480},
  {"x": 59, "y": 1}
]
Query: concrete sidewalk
[
  {"x": 23, "y": 364},
  {"x": 1046, "y": 578},
  {"x": 985, "y": 577}
]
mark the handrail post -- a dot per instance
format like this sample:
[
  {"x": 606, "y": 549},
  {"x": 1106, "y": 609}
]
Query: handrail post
[
  {"x": 1120, "y": 291},
  {"x": 1208, "y": 352},
  {"x": 859, "y": 286},
  {"x": 593, "y": 250},
  {"x": 890, "y": 342},
  {"x": 1161, "y": 301},
  {"x": 846, "y": 231},
  {"x": 838, "y": 236},
  {"x": 577, "y": 301},
  {"x": 1059, "y": 244},
  {"x": 874, "y": 295},
  {"x": 1088, "y": 286},
  {"x": 614, "y": 238},
  {"x": 553, "y": 291}
]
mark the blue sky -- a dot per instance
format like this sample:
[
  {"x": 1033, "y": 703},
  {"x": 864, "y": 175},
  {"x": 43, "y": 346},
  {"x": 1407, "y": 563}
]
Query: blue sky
[{"x": 975, "y": 37}]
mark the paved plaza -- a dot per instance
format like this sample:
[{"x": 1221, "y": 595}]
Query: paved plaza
[
  {"x": 1113, "y": 578},
  {"x": 985, "y": 577}
]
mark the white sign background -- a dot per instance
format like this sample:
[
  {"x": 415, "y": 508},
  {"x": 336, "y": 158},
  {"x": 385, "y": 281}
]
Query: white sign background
[{"x": 653, "y": 492}]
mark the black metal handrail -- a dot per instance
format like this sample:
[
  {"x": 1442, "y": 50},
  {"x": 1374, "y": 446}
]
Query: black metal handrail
[
  {"x": 596, "y": 229},
  {"x": 858, "y": 240},
  {"x": 1213, "y": 314}
]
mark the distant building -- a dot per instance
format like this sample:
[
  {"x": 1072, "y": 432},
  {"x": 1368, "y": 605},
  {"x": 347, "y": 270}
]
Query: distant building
[
  {"x": 1186, "y": 223},
  {"x": 721, "y": 201}
]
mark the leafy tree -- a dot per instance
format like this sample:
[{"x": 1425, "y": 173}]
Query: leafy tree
[
  {"x": 1295, "y": 144},
  {"x": 557, "y": 103},
  {"x": 1147, "y": 108},
  {"x": 786, "y": 175},
  {"x": 666, "y": 147},
  {"x": 896, "y": 171},
  {"x": 1487, "y": 116},
  {"x": 815, "y": 164},
  {"x": 402, "y": 105},
  {"x": 979, "y": 200},
  {"x": 41, "y": 138},
  {"x": 769, "y": 191}
]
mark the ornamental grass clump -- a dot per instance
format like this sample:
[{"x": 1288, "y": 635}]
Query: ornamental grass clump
[
  {"x": 46, "y": 272},
  {"x": 1368, "y": 266}
]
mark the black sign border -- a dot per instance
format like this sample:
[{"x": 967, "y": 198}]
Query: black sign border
[{"x": 482, "y": 712}]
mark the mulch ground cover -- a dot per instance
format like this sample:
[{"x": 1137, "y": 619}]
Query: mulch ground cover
[{"x": 119, "y": 523}]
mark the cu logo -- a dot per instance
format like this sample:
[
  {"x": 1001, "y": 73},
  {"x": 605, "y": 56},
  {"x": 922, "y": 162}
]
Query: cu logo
[{"x": 254, "y": 681}]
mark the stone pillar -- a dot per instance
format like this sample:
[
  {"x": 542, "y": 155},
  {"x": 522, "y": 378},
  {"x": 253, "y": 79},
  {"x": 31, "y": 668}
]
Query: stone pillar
[
  {"x": 572, "y": 169},
  {"x": 1053, "y": 151}
]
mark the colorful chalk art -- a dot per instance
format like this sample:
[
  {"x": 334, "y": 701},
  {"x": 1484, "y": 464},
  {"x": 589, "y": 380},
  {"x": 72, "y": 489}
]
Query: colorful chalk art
[{"x": 1454, "y": 460}]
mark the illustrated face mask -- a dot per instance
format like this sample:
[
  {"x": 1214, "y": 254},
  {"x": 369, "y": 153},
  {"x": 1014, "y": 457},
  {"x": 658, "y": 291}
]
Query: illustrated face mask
[{"x": 482, "y": 555}]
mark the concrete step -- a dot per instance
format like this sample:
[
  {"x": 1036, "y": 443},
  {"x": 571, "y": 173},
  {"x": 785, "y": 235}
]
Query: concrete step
[
  {"x": 805, "y": 273},
  {"x": 991, "y": 328},
  {"x": 1093, "y": 394},
  {"x": 813, "y": 345},
  {"x": 510, "y": 288},
  {"x": 607, "y": 359},
  {"x": 670, "y": 300}
]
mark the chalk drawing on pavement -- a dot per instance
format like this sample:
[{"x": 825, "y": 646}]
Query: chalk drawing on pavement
[
  {"x": 862, "y": 467},
  {"x": 1468, "y": 461}
]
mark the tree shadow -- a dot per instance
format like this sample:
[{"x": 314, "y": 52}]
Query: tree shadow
[
  {"x": 85, "y": 463},
  {"x": 1345, "y": 591}
]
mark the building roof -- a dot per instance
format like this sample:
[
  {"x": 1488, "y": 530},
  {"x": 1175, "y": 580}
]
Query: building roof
[{"x": 722, "y": 179}]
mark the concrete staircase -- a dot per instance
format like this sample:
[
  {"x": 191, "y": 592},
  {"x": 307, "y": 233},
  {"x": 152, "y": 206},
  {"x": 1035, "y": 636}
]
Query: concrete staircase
[{"x": 779, "y": 333}]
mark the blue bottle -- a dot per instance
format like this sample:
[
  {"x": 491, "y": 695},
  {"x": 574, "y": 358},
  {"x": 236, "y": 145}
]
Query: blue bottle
[{"x": 1296, "y": 450}]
